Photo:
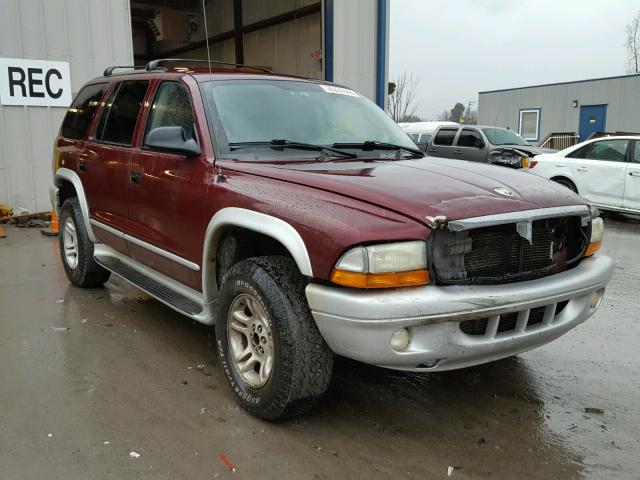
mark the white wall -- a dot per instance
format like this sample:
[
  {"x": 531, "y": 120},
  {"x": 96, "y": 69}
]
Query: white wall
[
  {"x": 355, "y": 41},
  {"x": 90, "y": 35}
]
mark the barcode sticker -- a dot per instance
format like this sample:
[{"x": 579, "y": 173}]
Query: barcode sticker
[{"x": 338, "y": 90}]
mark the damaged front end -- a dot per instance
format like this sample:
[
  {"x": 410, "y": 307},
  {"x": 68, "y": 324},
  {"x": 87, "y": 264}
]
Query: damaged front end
[
  {"x": 509, "y": 157},
  {"x": 508, "y": 248}
]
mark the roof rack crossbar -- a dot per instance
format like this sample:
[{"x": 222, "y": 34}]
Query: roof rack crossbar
[
  {"x": 155, "y": 64},
  {"x": 109, "y": 70}
]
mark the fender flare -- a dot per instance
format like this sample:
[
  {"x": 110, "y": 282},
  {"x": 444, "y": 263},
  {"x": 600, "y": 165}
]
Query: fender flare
[
  {"x": 258, "y": 222},
  {"x": 71, "y": 176}
]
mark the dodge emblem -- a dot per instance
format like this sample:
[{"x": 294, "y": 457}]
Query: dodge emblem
[{"x": 503, "y": 191}]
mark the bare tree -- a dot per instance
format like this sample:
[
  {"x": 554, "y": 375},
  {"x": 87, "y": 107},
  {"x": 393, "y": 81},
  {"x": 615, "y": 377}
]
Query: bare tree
[
  {"x": 402, "y": 102},
  {"x": 444, "y": 116},
  {"x": 632, "y": 44}
]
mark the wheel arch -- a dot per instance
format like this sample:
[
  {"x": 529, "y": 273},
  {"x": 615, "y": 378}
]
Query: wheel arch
[
  {"x": 64, "y": 179},
  {"x": 563, "y": 178},
  {"x": 260, "y": 223}
]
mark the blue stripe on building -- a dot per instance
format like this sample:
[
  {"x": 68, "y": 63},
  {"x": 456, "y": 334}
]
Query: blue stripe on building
[{"x": 381, "y": 54}]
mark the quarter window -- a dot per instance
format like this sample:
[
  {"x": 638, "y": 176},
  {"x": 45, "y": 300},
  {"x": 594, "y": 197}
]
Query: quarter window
[
  {"x": 611, "y": 150},
  {"x": 469, "y": 138},
  {"x": 445, "y": 137},
  {"x": 78, "y": 117},
  {"x": 119, "y": 116},
  {"x": 529, "y": 123},
  {"x": 172, "y": 108}
]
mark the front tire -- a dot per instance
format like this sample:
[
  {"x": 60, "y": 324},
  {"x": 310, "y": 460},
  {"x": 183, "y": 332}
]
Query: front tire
[
  {"x": 275, "y": 360},
  {"x": 76, "y": 248}
]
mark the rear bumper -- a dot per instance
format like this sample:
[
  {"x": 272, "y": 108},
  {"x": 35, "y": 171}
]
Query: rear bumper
[{"x": 358, "y": 324}]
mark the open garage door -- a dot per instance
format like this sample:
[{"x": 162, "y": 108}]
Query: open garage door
[{"x": 282, "y": 35}]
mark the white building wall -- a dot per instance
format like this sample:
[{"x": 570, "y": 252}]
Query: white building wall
[
  {"x": 355, "y": 42},
  {"x": 90, "y": 35}
]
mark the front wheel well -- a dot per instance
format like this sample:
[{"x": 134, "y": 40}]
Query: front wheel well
[
  {"x": 565, "y": 182},
  {"x": 66, "y": 190},
  {"x": 238, "y": 244}
]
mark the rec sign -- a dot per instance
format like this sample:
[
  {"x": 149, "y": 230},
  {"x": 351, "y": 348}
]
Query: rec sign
[{"x": 38, "y": 83}]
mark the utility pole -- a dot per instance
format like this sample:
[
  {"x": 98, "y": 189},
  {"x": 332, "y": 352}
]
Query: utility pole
[{"x": 468, "y": 115}]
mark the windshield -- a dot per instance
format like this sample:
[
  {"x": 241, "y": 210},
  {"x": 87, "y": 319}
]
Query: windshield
[
  {"x": 298, "y": 111},
  {"x": 502, "y": 136}
]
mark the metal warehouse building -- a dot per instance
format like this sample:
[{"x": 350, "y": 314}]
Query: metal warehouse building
[
  {"x": 560, "y": 114},
  {"x": 50, "y": 48}
]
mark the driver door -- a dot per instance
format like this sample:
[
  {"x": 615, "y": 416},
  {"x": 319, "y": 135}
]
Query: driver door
[{"x": 167, "y": 192}]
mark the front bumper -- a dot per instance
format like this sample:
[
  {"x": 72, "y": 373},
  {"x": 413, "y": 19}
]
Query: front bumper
[{"x": 359, "y": 323}]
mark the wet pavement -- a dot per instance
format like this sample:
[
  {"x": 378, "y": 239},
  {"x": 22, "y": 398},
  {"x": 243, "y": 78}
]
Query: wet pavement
[{"x": 90, "y": 377}]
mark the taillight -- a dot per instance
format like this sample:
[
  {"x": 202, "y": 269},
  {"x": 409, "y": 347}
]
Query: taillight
[{"x": 532, "y": 163}]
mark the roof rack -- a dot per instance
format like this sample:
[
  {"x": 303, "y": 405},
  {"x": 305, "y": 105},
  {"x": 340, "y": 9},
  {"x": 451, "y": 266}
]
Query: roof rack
[
  {"x": 109, "y": 70},
  {"x": 155, "y": 64}
]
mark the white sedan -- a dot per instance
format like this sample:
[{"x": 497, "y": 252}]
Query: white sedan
[{"x": 605, "y": 171}]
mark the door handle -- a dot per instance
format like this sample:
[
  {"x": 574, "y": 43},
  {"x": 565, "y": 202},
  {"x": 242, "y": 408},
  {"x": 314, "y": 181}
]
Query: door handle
[
  {"x": 136, "y": 177},
  {"x": 433, "y": 150},
  {"x": 457, "y": 152},
  {"x": 82, "y": 165},
  {"x": 582, "y": 169},
  {"x": 635, "y": 173}
]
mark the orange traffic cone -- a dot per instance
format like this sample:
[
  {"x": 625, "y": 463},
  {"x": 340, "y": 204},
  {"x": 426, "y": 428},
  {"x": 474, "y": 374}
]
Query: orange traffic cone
[
  {"x": 2, "y": 234},
  {"x": 53, "y": 228}
]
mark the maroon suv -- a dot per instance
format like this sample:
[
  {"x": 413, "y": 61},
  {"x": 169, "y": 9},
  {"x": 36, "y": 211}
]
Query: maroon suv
[{"x": 302, "y": 221}]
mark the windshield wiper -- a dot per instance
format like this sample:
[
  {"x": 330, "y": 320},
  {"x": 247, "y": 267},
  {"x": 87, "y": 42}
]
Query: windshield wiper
[
  {"x": 375, "y": 145},
  {"x": 282, "y": 143}
]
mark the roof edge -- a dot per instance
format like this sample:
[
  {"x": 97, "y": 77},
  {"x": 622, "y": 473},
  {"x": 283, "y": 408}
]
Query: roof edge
[{"x": 561, "y": 83}]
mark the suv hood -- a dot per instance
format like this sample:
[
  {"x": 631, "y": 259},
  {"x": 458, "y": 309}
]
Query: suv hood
[{"x": 422, "y": 187}]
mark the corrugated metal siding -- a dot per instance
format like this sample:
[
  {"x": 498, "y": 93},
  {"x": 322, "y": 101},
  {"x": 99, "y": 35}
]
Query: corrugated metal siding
[
  {"x": 90, "y": 35},
  {"x": 355, "y": 35},
  {"x": 502, "y": 108}
]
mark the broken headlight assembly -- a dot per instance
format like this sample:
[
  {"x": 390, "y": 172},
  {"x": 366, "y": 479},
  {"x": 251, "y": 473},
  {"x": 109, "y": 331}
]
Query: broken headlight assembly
[
  {"x": 386, "y": 265},
  {"x": 509, "y": 158}
]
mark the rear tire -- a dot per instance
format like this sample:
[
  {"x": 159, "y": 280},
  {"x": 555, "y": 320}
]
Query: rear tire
[
  {"x": 275, "y": 360},
  {"x": 76, "y": 248},
  {"x": 565, "y": 182}
]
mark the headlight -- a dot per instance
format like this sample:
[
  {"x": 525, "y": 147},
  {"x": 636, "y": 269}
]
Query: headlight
[
  {"x": 387, "y": 265},
  {"x": 597, "y": 234}
]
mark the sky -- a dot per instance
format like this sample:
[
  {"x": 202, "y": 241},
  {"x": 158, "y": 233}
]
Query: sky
[{"x": 462, "y": 47}]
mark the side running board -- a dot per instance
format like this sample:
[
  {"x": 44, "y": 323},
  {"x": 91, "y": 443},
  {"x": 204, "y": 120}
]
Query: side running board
[{"x": 154, "y": 283}]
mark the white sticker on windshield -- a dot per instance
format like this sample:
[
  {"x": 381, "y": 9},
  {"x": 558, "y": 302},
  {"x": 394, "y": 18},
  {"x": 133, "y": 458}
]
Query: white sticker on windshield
[{"x": 338, "y": 90}]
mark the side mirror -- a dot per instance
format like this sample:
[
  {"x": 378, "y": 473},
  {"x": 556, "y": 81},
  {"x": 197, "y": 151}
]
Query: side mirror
[
  {"x": 174, "y": 140},
  {"x": 480, "y": 143}
]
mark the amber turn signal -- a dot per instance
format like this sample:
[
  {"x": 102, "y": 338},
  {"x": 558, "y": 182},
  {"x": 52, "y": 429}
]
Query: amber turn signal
[
  {"x": 380, "y": 280},
  {"x": 593, "y": 248}
]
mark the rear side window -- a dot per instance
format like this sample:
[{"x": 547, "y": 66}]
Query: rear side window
[
  {"x": 445, "y": 136},
  {"x": 611, "y": 150},
  {"x": 172, "y": 108},
  {"x": 469, "y": 138},
  {"x": 78, "y": 117},
  {"x": 119, "y": 116}
]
